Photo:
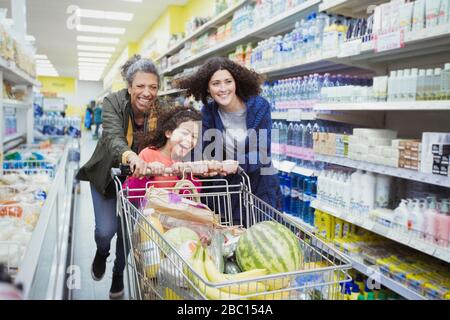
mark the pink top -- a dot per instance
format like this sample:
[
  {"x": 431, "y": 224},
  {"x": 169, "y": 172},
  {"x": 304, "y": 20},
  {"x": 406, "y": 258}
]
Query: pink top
[{"x": 152, "y": 155}]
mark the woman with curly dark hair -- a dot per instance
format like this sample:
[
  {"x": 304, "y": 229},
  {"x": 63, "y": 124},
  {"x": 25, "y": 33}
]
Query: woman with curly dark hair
[{"x": 241, "y": 118}]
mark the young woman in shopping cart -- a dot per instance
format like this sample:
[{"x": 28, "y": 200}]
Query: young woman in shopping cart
[
  {"x": 234, "y": 109},
  {"x": 128, "y": 115}
]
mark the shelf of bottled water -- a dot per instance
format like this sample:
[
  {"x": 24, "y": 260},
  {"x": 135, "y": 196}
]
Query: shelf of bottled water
[
  {"x": 305, "y": 92},
  {"x": 57, "y": 125}
]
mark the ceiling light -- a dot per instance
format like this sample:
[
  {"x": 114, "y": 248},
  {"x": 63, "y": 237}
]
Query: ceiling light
[
  {"x": 40, "y": 56},
  {"x": 107, "y": 15},
  {"x": 111, "y": 30},
  {"x": 43, "y": 62},
  {"x": 96, "y": 48},
  {"x": 96, "y": 60},
  {"x": 94, "y": 55},
  {"x": 49, "y": 72},
  {"x": 84, "y": 63},
  {"x": 98, "y": 39},
  {"x": 132, "y": 0}
]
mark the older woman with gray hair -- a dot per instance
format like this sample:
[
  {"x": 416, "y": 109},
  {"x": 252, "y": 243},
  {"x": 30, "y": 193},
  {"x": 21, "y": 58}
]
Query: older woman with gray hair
[{"x": 128, "y": 115}]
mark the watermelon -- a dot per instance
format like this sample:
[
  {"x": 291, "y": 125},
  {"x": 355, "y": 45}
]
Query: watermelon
[{"x": 268, "y": 245}]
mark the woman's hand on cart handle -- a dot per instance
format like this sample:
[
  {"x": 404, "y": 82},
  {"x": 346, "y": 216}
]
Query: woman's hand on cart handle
[
  {"x": 137, "y": 165},
  {"x": 157, "y": 169}
]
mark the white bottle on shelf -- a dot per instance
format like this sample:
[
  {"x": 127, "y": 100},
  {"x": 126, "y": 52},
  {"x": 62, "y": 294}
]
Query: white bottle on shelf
[
  {"x": 368, "y": 195},
  {"x": 412, "y": 88},
  {"x": 431, "y": 214},
  {"x": 416, "y": 218},
  {"x": 401, "y": 216},
  {"x": 445, "y": 83},
  {"x": 399, "y": 83},
  {"x": 383, "y": 190},
  {"x": 421, "y": 85},
  {"x": 443, "y": 225},
  {"x": 405, "y": 85},
  {"x": 348, "y": 193},
  {"x": 356, "y": 190},
  {"x": 428, "y": 87},
  {"x": 436, "y": 84},
  {"x": 392, "y": 85}
]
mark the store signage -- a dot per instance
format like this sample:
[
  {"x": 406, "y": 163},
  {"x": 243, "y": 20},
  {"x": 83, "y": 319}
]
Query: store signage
[
  {"x": 54, "y": 104},
  {"x": 389, "y": 41},
  {"x": 351, "y": 48}
]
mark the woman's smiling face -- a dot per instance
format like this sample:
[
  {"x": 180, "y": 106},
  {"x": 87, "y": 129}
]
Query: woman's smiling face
[{"x": 222, "y": 88}]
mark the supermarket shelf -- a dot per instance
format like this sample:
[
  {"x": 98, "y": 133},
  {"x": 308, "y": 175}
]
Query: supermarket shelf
[
  {"x": 12, "y": 73},
  {"x": 420, "y": 43},
  {"x": 386, "y": 106},
  {"x": 390, "y": 171},
  {"x": 395, "y": 235},
  {"x": 276, "y": 25},
  {"x": 372, "y": 272},
  {"x": 13, "y": 137},
  {"x": 169, "y": 92},
  {"x": 352, "y": 8},
  {"x": 299, "y": 222},
  {"x": 301, "y": 67},
  {"x": 294, "y": 115},
  {"x": 16, "y": 104},
  {"x": 220, "y": 19}
]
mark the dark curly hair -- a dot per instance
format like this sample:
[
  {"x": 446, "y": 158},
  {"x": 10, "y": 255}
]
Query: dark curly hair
[
  {"x": 135, "y": 64},
  {"x": 248, "y": 82},
  {"x": 168, "y": 120}
]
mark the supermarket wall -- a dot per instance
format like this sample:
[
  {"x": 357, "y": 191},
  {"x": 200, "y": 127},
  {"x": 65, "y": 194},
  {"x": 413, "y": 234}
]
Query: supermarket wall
[
  {"x": 173, "y": 20},
  {"x": 77, "y": 93}
]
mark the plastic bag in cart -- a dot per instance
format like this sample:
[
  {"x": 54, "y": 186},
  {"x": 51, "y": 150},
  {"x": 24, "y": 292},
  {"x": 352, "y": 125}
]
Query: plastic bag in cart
[{"x": 171, "y": 204}]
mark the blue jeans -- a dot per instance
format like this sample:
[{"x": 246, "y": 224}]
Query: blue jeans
[{"x": 107, "y": 223}]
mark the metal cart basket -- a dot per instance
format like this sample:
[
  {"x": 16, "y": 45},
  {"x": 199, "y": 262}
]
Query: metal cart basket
[{"x": 156, "y": 270}]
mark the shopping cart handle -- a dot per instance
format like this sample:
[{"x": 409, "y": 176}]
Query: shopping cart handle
[{"x": 124, "y": 170}]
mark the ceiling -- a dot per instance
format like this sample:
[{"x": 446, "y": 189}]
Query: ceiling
[{"x": 46, "y": 21}]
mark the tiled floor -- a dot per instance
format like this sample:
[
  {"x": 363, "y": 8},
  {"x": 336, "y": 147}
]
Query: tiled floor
[{"x": 84, "y": 246}]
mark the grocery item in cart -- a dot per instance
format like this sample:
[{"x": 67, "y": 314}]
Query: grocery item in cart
[
  {"x": 171, "y": 204},
  {"x": 269, "y": 245}
]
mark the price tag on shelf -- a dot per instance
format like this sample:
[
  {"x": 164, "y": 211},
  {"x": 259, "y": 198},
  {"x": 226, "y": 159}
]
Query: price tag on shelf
[
  {"x": 379, "y": 229},
  {"x": 389, "y": 41},
  {"x": 399, "y": 236},
  {"x": 443, "y": 254},
  {"x": 422, "y": 246},
  {"x": 351, "y": 218},
  {"x": 368, "y": 224},
  {"x": 351, "y": 48}
]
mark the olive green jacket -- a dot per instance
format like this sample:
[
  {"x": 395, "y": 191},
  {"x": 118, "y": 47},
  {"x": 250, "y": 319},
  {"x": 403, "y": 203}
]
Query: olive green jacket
[{"x": 116, "y": 139}]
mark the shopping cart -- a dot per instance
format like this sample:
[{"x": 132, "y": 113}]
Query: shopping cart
[{"x": 156, "y": 270}]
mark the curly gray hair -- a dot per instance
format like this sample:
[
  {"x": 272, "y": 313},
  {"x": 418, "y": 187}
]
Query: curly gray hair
[{"x": 137, "y": 63}]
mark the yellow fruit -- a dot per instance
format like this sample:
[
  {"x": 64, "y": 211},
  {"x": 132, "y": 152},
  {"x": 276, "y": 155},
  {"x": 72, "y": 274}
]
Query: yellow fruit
[
  {"x": 197, "y": 263},
  {"x": 214, "y": 275}
]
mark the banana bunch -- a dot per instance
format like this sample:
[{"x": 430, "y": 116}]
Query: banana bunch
[{"x": 203, "y": 265}]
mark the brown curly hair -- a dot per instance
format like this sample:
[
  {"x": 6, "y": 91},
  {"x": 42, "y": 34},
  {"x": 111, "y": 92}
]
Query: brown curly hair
[
  {"x": 169, "y": 119},
  {"x": 248, "y": 82}
]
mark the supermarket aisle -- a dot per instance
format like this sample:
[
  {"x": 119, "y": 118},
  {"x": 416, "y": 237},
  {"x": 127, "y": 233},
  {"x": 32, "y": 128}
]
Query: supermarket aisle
[{"x": 84, "y": 247}]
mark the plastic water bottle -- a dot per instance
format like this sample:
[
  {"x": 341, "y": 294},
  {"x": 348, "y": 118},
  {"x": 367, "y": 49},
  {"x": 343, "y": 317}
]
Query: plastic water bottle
[
  {"x": 287, "y": 193},
  {"x": 290, "y": 141},
  {"x": 283, "y": 139},
  {"x": 308, "y": 136},
  {"x": 297, "y": 143},
  {"x": 294, "y": 195},
  {"x": 312, "y": 30}
]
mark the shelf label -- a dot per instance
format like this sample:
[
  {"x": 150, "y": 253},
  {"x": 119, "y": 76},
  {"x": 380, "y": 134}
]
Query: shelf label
[
  {"x": 399, "y": 236},
  {"x": 351, "y": 48},
  {"x": 368, "y": 224},
  {"x": 422, "y": 246},
  {"x": 443, "y": 254},
  {"x": 389, "y": 41},
  {"x": 379, "y": 229}
]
